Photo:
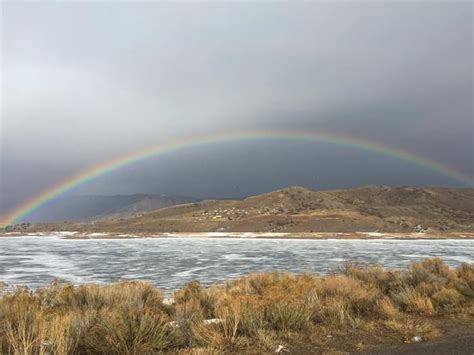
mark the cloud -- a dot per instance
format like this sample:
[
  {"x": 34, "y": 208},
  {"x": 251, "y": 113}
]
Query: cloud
[{"x": 86, "y": 81}]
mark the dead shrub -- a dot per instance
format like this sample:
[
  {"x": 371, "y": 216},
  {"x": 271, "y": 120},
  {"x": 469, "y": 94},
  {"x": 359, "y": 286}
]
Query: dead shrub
[
  {"x": 287, "y": 314},
  {"x": 413, "y": 302},
  {"x": 465, "y": 273},
  {"x": 433, "y": 271},
  {"x": 21, "y": 314},
  {"x": 252, "y": 317},
  {"x": 386, "y": 309},
  {"x": 222, "y": 334},
  {"x": 128, "y": 331},
  {"x": 446, "y": 298},
  {"x": 192, "y": 302}
]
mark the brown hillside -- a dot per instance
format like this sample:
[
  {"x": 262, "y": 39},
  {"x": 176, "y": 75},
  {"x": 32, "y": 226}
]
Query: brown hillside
[{"x": 297, "y": 209}]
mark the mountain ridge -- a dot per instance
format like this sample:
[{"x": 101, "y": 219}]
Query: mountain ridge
[{"x": 299, "y": 209}]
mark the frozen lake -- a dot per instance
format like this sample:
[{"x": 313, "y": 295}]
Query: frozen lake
[{"x": 169, "y": 263}]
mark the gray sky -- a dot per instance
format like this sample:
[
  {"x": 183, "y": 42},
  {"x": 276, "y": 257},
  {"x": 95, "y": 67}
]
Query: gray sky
[{"x": 84, "y": 82}]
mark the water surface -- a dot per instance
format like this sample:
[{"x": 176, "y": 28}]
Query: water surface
[{"x": 170, "y": 263}]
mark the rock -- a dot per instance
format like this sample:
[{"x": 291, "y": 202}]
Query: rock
[
  {"x": 281, "y": 349},
  {"x": 419, "y": 228}
]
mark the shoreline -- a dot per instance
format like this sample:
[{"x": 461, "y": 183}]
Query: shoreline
[{"x": 253, "y": 235}]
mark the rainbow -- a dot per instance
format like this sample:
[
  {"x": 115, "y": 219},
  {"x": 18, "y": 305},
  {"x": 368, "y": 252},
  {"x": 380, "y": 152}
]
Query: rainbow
[{"x": 95, "y": 171}]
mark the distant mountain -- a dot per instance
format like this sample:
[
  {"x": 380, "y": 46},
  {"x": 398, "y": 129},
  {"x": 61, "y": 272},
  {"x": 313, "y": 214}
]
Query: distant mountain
[
  {"x": 94, "y": 207},
  {"x": 297, "y": 209}
]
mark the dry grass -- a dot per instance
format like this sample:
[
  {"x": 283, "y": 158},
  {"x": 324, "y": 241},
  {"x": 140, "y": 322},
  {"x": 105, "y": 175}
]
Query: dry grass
[{"x": 257, "y": 312}]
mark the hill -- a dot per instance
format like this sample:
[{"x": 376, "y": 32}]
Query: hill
[{"x": 298, "y": 209}]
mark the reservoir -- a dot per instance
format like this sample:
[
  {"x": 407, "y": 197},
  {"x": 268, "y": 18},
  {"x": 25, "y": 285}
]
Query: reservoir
[{"x": 171, "y": 262}]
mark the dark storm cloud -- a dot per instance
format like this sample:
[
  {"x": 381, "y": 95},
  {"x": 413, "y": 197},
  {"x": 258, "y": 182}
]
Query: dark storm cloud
[{"x": 86, "y": 81}]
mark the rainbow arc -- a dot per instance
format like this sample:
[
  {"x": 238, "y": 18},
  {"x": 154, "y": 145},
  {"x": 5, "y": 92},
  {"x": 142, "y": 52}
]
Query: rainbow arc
[{"x": 95, "y": 171}]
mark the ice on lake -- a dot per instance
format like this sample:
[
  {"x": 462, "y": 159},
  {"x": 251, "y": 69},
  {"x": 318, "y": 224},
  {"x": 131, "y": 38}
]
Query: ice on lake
[{"x": 170, "y": 263}]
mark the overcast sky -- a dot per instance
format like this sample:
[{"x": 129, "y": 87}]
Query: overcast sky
[{"x": 84, "y": 82}]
